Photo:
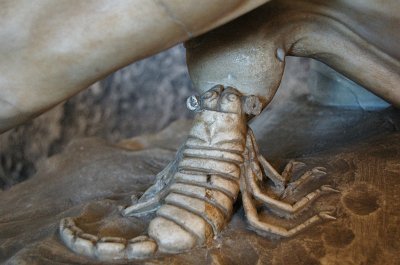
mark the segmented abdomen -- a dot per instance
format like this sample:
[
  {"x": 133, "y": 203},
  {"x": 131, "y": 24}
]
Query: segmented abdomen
[{"x": 201, "y": 199}]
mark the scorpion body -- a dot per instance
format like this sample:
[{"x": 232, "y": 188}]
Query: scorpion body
[
  {"x": 198, "y": 201},
  {"x": 194, "y": 196}
]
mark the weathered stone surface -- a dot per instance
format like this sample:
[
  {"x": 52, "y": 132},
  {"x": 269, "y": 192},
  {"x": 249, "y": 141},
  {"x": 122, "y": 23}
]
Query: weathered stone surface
[{"x": 359, "y": 149}]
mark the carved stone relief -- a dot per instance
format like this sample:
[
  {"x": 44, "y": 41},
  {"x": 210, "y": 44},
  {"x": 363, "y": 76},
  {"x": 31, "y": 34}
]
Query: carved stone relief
[
  {"x": 192, "y": 199},
  {"x": 91, "y": 179},
  {"x": 194, "y": 195}
]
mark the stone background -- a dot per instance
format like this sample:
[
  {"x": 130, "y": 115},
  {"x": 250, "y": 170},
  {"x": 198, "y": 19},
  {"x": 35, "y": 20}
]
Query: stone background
[{"x": 141, "y": 98}]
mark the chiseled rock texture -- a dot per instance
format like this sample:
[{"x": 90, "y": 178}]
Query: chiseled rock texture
[{"x": 360, "y": 150}]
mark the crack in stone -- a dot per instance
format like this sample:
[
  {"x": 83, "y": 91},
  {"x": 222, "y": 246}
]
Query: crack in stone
[
  {"x": 8, "y": 103},
  {"x": 173, "y": 17}
]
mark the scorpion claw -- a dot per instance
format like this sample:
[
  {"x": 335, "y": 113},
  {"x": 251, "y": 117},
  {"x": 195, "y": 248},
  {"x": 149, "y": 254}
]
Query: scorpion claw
[
  {"x": 328, "y": 189},
  {"x": 134, "y": 198},
  {"x": 319, "y": 171},
  {"x": 326, "y": 216}
]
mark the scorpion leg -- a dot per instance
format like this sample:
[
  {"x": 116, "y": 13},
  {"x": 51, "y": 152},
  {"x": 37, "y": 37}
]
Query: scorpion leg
[
  {"x": 152, "y": 198},
  {"x": 253, "y": 175},
  {"x": 284, "y": 185},
  {"x": 263, "y": 228}
]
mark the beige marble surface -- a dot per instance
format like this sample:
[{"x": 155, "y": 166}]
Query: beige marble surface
[
  {"x": 50, "y": 50},
  {"x": 359, "y": 39}
]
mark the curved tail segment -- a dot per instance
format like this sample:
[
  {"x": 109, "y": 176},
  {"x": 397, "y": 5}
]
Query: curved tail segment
[{"x": 104, "y": 248}]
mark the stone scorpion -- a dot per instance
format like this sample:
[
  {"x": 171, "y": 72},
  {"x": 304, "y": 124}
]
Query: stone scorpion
[
  {"x": 194, "y": 196},
  {"x": 50, "y": 50}
]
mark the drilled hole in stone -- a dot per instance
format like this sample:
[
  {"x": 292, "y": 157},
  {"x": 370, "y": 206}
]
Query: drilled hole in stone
[
  {"x": 208, "y": 178},
  {"x": 338, "y": 236},
  {"x": 362, "y": 199}
]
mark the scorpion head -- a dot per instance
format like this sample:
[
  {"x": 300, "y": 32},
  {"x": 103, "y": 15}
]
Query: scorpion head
[
  {"x": 230, "y": 101},
  {"x": 226, "y": 99},
  {"x": 211, "y": 97}
]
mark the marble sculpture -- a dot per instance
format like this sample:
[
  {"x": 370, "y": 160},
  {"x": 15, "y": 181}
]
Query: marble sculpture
[{"x": 51, "y": 50}]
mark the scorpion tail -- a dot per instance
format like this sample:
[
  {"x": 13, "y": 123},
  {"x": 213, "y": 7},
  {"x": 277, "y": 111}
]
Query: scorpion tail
[{"x": 105, "y": 248}]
